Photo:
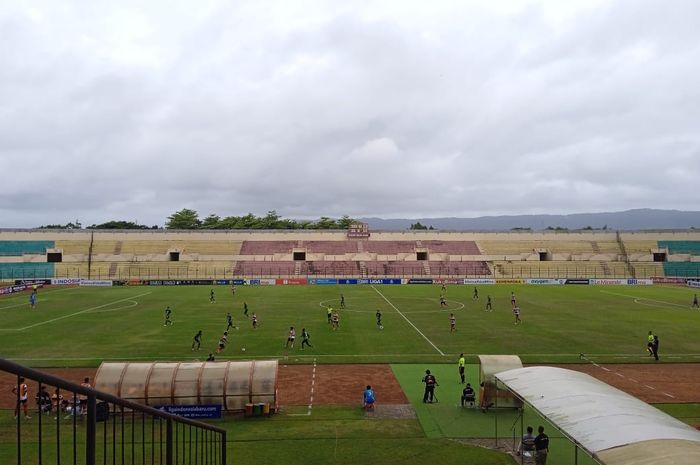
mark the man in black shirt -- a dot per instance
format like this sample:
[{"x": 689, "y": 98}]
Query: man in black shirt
[
  {"x": 541, "y": 447},
  {"x": 468, "y": 395},
  {"x": 430, "y": 383}
]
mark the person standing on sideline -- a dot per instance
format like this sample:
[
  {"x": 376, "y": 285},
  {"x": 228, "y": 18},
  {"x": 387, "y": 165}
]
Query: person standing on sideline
[
  {"x": 378, "y": 315},
  {"x": 305, "y": 336},
  {"x": 168, "y": 314},
  {"x": 197, "y": 340},
  {"x": 460, "y": 367},
  {"x": 695, "y": 301},
  {"x": 430, "y": 383},
  {"x": 650, "y": 343},
  {"x": 368, "y": 399},
  {"x": 22, "y": 398},
  {"x": 527, "y": 443},
  {"x": 541, "y": 447},
  {"x": 655, "y": 347},
  {"x": 83, "y": 399},
  {"x": 488, "y": 304},
  {"x": 453, "y": 323}
]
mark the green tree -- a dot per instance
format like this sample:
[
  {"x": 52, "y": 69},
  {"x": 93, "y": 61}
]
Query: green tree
[
  {"x": 418, "y": 226},
  {"x": 184, "y": 219},
  {"x": 212, "y": 221}
]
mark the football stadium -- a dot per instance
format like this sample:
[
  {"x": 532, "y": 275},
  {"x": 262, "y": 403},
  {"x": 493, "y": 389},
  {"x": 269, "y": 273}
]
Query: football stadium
[{"x": 260, "y": 346}]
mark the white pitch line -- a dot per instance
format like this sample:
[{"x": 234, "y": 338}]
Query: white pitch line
[
  {"x": 633, "y": 380},
  {"x": 668, "y": 395},
  {"x": 409, "y": 321},
  {"x": 79, "y": 312},
  {"x": 620, "y": 375},
  {"x": 637, "y": 298},
  {"x": 650, "y": 387}
]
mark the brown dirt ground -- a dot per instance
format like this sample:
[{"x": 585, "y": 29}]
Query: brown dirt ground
[
  {"x": 650, "y": 382},
  {"x": 337, "y": 384},
  {"x": 343, "y": 384}
]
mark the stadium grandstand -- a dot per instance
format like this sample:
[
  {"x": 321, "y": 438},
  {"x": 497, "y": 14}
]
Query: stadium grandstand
[{"x": 437, "y": 254}]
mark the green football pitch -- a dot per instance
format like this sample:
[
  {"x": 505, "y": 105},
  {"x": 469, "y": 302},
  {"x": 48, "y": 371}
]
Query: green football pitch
[{"x": 82, "y": 326}]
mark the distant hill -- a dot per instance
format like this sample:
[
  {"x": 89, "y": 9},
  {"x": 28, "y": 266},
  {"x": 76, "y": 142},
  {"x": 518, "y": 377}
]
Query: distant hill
[{"x": 644, "y": 218}]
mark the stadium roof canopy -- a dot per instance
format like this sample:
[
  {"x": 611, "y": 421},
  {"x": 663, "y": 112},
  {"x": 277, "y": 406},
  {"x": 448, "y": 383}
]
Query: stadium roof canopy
[{"x": 612, "y": 426}]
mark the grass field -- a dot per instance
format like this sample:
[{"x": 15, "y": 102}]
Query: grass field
[{"x": 83, "y": 326}]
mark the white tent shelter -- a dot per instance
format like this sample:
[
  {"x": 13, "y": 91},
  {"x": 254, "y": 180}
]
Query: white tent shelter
[{"x": 612, "y": 426}]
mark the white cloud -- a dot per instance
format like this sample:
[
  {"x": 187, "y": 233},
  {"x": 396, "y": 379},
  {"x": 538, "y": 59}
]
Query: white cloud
[{"x": 132, "y": 110}]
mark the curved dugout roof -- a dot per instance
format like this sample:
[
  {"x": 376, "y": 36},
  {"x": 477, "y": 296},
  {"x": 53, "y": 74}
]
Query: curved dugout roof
[{"x": 613, "y": 426}]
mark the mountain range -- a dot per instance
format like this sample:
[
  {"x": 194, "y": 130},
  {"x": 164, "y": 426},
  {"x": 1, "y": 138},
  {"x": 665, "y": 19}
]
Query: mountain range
[{"x": 637, "y": 219}]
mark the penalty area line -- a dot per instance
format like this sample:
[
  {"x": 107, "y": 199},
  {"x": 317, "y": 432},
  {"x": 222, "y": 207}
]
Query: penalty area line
[
  {"x": 409, "y": 321},
  {"x": 80, "y": 312}
]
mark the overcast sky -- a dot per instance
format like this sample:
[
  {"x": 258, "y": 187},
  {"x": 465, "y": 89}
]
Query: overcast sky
[{"x": 133, "y": 110}]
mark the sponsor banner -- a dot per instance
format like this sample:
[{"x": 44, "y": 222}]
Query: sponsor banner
[
  {"x": 380, "y": 281},
  {"x": 252, "y": 282},
  {"x": 238, "y": 282},
  {"x": 347, "y": 281},
  {"x": 134, "y": 282},
  {"x": 96, "y": 282},
  {"x": 509, "y": 281},
  {"x": 322, "y": 281},
  {"x": 609, "y": 282},
  {"x": 639, "y": 282},
  {"x": 268, "y": 282},
  {"x": 664, "y": 280},
  {"x": 694, "y": 284},
  {"x": 193, "y": 411},
  {"x": 478, "y": 281},
  {"x": 291, "y": 281},
  {"x": 222, "y": 282},
  {"x": 65, "y": 281},
  {"x": 545, "y": 281},
  {"x": 420, "y": 281},
  {"x": 448, "y": 281},
  {"x": 577, "y": 281},
  {"x": 33, "y": 282},
  {"x": 13, "y": 289}
]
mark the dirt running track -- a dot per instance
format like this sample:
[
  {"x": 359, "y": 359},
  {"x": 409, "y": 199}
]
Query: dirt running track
[{"x": 343, "y": 384}]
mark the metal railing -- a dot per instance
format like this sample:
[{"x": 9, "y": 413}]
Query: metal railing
[{"x": 79, "y": 425}]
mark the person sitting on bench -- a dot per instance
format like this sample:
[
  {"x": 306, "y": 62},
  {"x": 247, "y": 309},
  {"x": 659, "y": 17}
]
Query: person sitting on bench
[{"x": 468, "y": 395}]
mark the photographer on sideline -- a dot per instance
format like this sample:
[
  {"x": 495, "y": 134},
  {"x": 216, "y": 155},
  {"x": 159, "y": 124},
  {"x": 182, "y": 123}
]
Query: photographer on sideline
[{"x": 430, "y": 383}]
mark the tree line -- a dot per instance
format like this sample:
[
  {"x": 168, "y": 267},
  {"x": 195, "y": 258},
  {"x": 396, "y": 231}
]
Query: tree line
[{"x": 189, "y": 219}]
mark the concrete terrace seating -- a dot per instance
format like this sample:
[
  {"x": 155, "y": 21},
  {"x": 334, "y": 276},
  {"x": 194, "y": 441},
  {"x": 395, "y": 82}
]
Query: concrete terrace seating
[
  {"x": 154, "y": 270},
  {"x": 681, "y": 247},
  {"x": 574, "y": 247},
  {"x": 648, "y": 269},
  {"x": 267, "y": 247},
  {"x": 639, "y": 247},
  {"x": 254, "y": 269},
  {"x": 559, "y": 269},
  {"x": 459, "y": 269},
  {"x": 74, "y": 247},
  {"x": 682, "y": 269},
  {"x": 19, "y": 248},
  {"x": 210, "y": 269},
  {"x": 9, "y": 271},
  {"x": 211, "y": 247},
  {"x": 330, "y": 247},
  {"x": 403, "y": 268},
  {"x": 71, "y": 270},
  {"x": 389, "y": 247},
  {"x": 337, "y": 268},
  {"x": 453, "y": 247}
]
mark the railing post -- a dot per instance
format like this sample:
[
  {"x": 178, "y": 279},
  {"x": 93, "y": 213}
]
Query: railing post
[
  {"x": 91, "y": 430},
  {"x": 223, "y": 448},
  {"x": 169, "y": 442}
]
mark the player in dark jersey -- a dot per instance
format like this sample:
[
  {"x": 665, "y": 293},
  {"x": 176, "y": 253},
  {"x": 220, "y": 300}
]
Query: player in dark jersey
[
  {"x": 212, "y": 299},
  {"x": 245, "y": 309},
  {"x": 488, "y": 304},
  {"x": 305, "y": 336},
  {"x": 378, "y": 315},
  {"x": 453, "y": 323},
  {"x": 342, "y": 301},
  {"x": 255, "y": 321},
  {"x": 197, "y": 340},
  {"x": 476, "y": 294},
  {"x": 168, "y": 314},
  {"x": 229, "y": 322}
]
